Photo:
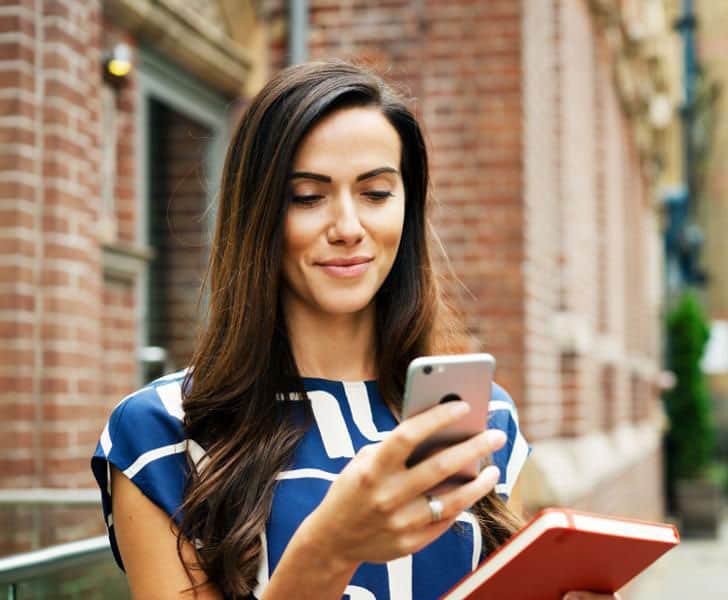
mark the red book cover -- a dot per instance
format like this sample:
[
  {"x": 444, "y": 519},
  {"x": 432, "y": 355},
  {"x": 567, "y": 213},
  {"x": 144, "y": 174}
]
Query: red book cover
[{"x": 560, "y": 550}]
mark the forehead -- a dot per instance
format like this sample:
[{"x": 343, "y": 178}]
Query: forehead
[{"x": 350, "y": 138}]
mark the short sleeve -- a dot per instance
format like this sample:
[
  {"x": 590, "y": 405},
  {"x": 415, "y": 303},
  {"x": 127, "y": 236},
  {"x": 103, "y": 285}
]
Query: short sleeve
[
  {"x": 145, "y": 440},
  {"x": 512, "y": 456}
]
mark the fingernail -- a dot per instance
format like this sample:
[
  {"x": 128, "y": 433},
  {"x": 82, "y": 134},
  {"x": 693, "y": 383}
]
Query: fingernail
[
  {"x": 573, "y": 596},
  {"x": 459, "y": 408},
  {"x": 491, "y": 473},
  {"x": 496, "y": 437}
]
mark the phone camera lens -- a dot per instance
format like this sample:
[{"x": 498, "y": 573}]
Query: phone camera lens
[
  {"x": 427, "y": 370},
  {"x": 450, "y": 398}
]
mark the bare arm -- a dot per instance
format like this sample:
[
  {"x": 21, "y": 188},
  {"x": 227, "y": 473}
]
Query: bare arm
[{"x": 148, "y": 547}]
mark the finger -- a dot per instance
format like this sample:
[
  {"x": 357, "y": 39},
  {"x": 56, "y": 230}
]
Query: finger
[
  {"x": 418, "y": 513},
  {"x": 417, "y": 539},
  {"x": 445, "y": 463},
  {"x": 404, "y": 438},
  {"x": 463, "y": 497}
]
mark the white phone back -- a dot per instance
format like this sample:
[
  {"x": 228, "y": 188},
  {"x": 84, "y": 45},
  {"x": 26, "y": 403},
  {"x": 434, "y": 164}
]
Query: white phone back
[{"x": 468, "y": 376}]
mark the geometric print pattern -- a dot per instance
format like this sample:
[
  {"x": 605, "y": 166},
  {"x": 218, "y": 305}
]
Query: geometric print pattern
[{"x": 145, "y": 440}]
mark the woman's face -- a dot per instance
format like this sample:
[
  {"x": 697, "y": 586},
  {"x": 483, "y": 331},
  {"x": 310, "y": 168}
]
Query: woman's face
[{"x": 346, "y": 212}]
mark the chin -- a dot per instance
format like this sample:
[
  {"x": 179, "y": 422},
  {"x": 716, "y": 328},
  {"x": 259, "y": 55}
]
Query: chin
[{"x": 338, "y": 303}]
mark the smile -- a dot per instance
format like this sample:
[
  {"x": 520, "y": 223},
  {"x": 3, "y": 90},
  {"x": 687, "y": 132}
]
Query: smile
[{"x": 349, "y": 267}]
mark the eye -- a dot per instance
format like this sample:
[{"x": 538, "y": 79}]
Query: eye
[
  {"x": 378, "y": 195},
  {"x": 306, "y": 199}
]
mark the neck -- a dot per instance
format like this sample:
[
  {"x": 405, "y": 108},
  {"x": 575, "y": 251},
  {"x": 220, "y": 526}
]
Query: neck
[{"x": 339, "y": 347}]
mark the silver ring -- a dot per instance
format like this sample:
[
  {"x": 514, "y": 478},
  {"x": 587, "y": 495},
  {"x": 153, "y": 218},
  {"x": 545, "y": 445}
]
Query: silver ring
[{"x": 436, "y": 507}]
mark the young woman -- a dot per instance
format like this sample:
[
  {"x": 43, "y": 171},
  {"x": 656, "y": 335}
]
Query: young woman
[{"x": 275, "y": 466}]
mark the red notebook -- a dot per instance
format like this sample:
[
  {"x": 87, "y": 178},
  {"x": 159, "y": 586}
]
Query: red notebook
[{"x": 561, "y": 550}]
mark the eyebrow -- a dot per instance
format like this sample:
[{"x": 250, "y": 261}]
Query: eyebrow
[{"x": 327, "y": 179}]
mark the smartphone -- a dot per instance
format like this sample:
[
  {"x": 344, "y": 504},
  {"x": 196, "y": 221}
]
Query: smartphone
[{"x": 432, "y": 380}]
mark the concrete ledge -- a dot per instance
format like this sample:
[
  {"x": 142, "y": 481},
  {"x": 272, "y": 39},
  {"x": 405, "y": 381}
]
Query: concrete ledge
[
  {"x": 561, "y": 471},
  {"x": 50, "y": 496}
]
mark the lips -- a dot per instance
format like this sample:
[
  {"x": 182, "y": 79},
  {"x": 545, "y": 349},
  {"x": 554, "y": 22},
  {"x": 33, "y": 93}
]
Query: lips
[{"x": 346, "y": 267}]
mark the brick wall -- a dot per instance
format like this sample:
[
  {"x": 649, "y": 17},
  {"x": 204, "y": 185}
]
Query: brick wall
[
  {"x": 50, "y": 277},
  {"x": 542, "y": 190},
  {"x": 591, "y": 294},
  {"x": 119, "y": 340}
]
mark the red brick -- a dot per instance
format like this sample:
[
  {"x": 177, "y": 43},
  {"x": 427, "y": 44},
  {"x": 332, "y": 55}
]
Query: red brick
[
  {"x": 17, "y": 358},
  {"x": 10, "y": 135},
  {"x": 15, "y": 162},
  {"x": 19, "y": 22},
  {"x": 20, "y": 466},
  {"x": 55, "y": 385},
  {"x": 16, "y": 50},
  {"x": 17, "y": 246},
  {"x": 59, "y": 251},
  {"x": 54, "y": 439},
  {"x": 60, "y": 466},
  {"x": 57, "y": 8},
  {"x": 15, "y": 190},
  {"x": 16, "y": 78},
  {"x": 11, "y": 440},
  {"x": 19, "y": 302},
  {"x": 15, "y": 274}
]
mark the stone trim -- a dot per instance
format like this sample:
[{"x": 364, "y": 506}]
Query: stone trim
[
  {"x": 562, "y": 471},
  {"x": 125, "y": 261},
  {"x": 196, "y": 45}
]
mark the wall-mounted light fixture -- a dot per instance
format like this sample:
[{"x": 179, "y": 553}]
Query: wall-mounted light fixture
[{"x": 117, "y": 63}]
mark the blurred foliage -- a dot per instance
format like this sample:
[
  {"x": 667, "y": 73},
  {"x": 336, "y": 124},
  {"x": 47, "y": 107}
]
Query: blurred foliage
[
  {"x": 717, "y": 472},
  {"x": 691, "y": 440}
]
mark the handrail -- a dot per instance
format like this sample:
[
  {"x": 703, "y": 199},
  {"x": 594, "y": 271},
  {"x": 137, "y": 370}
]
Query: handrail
[{"x": 28, "y": 565}]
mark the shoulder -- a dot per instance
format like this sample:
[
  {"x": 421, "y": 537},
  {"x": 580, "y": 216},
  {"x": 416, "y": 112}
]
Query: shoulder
[
  {"x": 502, "y": 410},
  {"x": 160, "y": 401},
  {"x": 149, "y": 417},
  {"x": 145, "y": 440}
]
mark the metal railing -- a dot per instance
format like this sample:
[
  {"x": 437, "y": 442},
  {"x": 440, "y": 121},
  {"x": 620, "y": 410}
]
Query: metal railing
[{"x": 38, "y": 563}]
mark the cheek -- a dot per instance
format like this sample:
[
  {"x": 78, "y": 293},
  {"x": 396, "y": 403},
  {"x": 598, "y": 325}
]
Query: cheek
[
  {"x": 298, "y": 235},
  {"x": 391, "y": 229},
  {"x": 294, "y": 246}
]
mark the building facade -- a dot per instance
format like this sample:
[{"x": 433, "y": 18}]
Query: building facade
[
  {"x": 545, "y": 163},
  {"x": 104, "y": 191},
  {"x": 712, "y": 20}
]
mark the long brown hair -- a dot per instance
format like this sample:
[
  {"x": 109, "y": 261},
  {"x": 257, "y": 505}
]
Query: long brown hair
[{"x": 243, "y": 359}]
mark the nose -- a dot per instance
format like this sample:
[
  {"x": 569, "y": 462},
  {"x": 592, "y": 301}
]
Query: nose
[{"x": 346, "y": 227}]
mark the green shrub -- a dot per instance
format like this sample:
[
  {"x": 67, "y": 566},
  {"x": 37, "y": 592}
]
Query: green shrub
[
  {"x": 717, "y": 472},
  {"x": 691, "y": 440}
]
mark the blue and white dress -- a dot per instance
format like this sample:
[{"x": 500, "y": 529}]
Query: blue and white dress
[{"x": 145, "y": 440}]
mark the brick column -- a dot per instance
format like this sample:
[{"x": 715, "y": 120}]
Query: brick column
[
  {"x": 19, "y": 191},
  {"x": 50, "y": 263}
]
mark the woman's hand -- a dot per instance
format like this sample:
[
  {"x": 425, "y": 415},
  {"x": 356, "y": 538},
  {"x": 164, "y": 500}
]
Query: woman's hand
[
  {"x": 376, "y": 510},
  {"x": 591, "y": 596}
]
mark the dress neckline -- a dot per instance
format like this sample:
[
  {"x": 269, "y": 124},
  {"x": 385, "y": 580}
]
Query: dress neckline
[{"x": 344, "y": 381}]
